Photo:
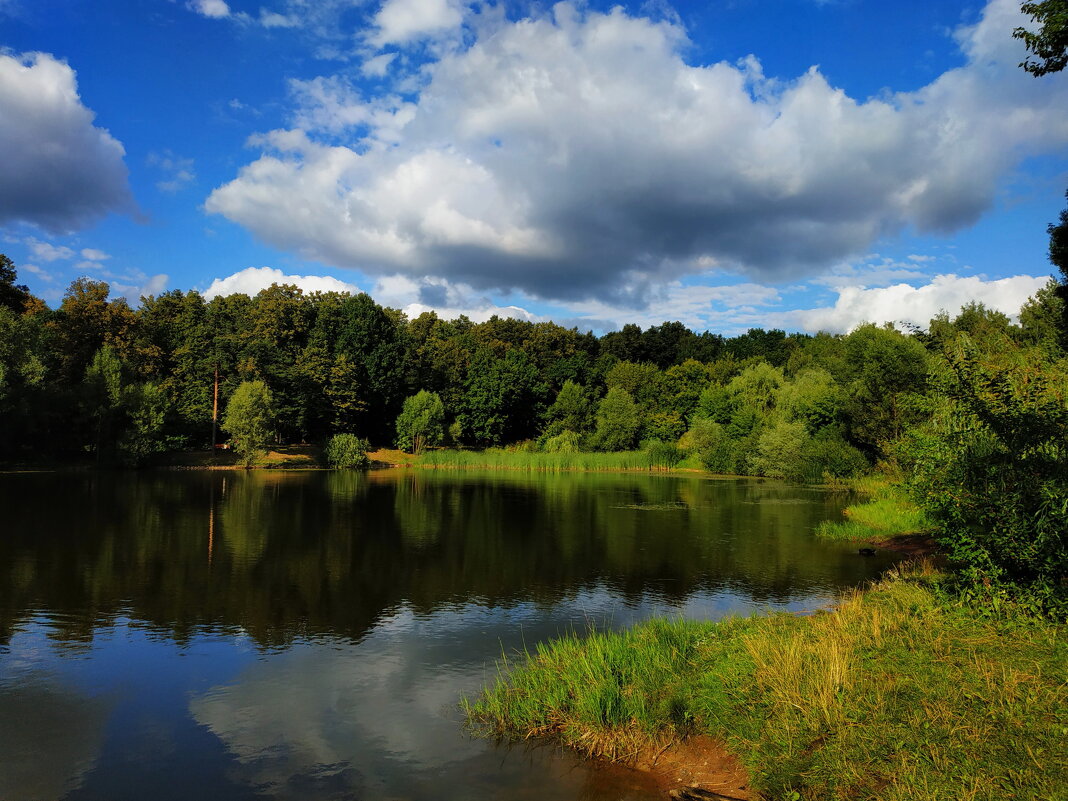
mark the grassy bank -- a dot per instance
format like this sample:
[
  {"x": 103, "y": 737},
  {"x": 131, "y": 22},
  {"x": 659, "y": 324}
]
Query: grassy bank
[
  {"x": 896, "y": 694},
  {"x": 502, "y": 459},
  {"x": 887, "y": 513}
]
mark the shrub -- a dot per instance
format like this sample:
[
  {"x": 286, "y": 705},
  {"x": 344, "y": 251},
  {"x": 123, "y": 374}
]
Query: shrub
[
  {"x": 828, "y": 455},
  {"x": 565, "y": 442},
  {"x": 347, "y": 451},
  {"x": 779, "y": 451},
  {"x": 991, "y": 470}
]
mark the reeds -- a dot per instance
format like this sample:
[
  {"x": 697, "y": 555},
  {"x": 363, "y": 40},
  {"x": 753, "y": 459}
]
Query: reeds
[{"x": 501, "y": 459}]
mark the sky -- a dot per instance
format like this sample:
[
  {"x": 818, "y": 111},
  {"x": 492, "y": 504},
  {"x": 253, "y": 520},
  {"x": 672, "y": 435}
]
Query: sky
[{"x": 800, "y": 164}]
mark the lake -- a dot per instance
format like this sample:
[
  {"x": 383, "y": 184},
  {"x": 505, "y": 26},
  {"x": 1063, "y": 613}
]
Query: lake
[{"x": 307, "y": 635}]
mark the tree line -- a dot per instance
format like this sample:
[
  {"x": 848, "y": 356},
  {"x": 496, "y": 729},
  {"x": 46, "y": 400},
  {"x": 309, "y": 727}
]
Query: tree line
[{"x": 98, "y": 379}]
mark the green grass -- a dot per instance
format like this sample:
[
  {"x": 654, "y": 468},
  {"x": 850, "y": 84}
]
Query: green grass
[
  {"x": 888, "y": 514},
  {"x": 896, "y": 694},
  {"x": 501, "y": 459}
]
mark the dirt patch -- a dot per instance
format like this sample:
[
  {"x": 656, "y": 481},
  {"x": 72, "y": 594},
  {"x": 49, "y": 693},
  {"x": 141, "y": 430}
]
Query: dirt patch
[
  {"x": 914, "y": 545},
  {"x": 697, "y": 761}
]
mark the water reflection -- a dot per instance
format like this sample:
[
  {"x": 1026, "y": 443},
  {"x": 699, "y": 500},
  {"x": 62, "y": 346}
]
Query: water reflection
[{"x": 307, "y": 635}]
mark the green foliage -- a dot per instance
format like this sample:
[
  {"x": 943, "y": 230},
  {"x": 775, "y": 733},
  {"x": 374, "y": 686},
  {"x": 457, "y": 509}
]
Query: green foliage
[
  {"x": 779, "y": 451},
  {"x": 885, "y": 370},
  {"x": 663, "y": 455},
  {"x": 618, "y": 421},
  {"x": 813, "y": 398},
  {"x": 640, "y": 381},
  {"x": 1042, "y": 318},
  {"x": 665, "y": 426},
  {"x": 146, "y": 406},
  {"x": 249, "y": 419},
  {"x": 991, "y": 470},
  {"x": 564, "y": 442},
  {"x": 756, "y": 387},
  {"x": 503, "y": 398},
  {"x": 12, "y": 296},
  {"x": 421, "y": 422},
  {"x": 103, "y": 396},
  {"x": 347, "y": 451},
  {"x": 571, "y": 411},
  {"x": 1050, "y": 42},
  {"x": 827, "y": 455}
]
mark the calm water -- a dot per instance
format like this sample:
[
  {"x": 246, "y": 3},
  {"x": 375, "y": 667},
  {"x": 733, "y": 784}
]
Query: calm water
[{"x": 218, "y": 635}]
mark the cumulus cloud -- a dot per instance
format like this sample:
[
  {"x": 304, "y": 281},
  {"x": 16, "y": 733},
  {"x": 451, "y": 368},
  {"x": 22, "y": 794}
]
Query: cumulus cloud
[
  {"x": 447, "y": 300},
  {"x": 577, "y": 155},
  {"x": 902, "y": 303},
  {"x": 92, "y": 254},
  {"x": 253, "y": 279},
  {"x": 58, "y": 170},
  {"x": 46, "y": 251},
  {"x": 405, "y": 21},
  {"x": 413, "y": 297},
  {"x": 216, "y": 9}
]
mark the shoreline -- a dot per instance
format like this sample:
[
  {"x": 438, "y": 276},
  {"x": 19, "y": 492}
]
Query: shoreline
[{"x": 836, "y": 704}]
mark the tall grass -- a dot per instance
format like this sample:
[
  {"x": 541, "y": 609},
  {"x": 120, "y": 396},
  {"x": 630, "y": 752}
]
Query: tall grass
[
  {"x": 895, "y": 694},
  {"x": 500, "y": 459},
  {"x": 888, "y": 514}
]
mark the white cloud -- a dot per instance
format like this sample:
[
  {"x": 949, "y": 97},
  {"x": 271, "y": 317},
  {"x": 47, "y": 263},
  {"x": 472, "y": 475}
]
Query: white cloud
[
  {"x": 253, "y": 279},
  {"x": 903, "y": 303},
  {"x": 46, "y": 251},
  {"x": 179, "y": 172},
  {"x": 332, "y": 105},
  {"x": 58, "y": 170},
  {"x": 44, "y": 275},
  {"x": 150, "y": 285},
  {"x": 377, "y": 66},
  {"x": 448, "y": 301},
  {"x": 405, "y": 21},
  {"x": 92, "y": 254},
  {"x": 216, "y": 9},
  {"x": 566, "y": 155},
  {"x": 272, "y": 19},
  {"x": 872, "y": 272}
]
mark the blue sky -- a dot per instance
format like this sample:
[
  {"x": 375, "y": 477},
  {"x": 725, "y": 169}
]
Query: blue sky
[{"x": 789, "y": 163}]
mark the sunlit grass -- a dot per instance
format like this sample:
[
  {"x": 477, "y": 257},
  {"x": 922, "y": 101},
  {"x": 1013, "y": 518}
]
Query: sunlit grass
[
  {"x": 896, "y": 694},
  {"x": 501, "y": 459},
  {"x": 888, "y": 514}
]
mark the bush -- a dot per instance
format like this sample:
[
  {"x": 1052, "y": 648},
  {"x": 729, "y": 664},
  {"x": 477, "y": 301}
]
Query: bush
[
  {"x": 565, "y": 442},
  {"x": 703, "y": 434},
  {"x": 827, "y": 455},
  {"x": 779, "y": 451},
  {"x": 347, "y": 451},
  {"x": 991, "y": 470}
]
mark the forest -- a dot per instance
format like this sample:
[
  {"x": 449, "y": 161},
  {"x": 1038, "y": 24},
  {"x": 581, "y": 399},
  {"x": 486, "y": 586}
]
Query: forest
[{"x": 970, "y": 413}]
